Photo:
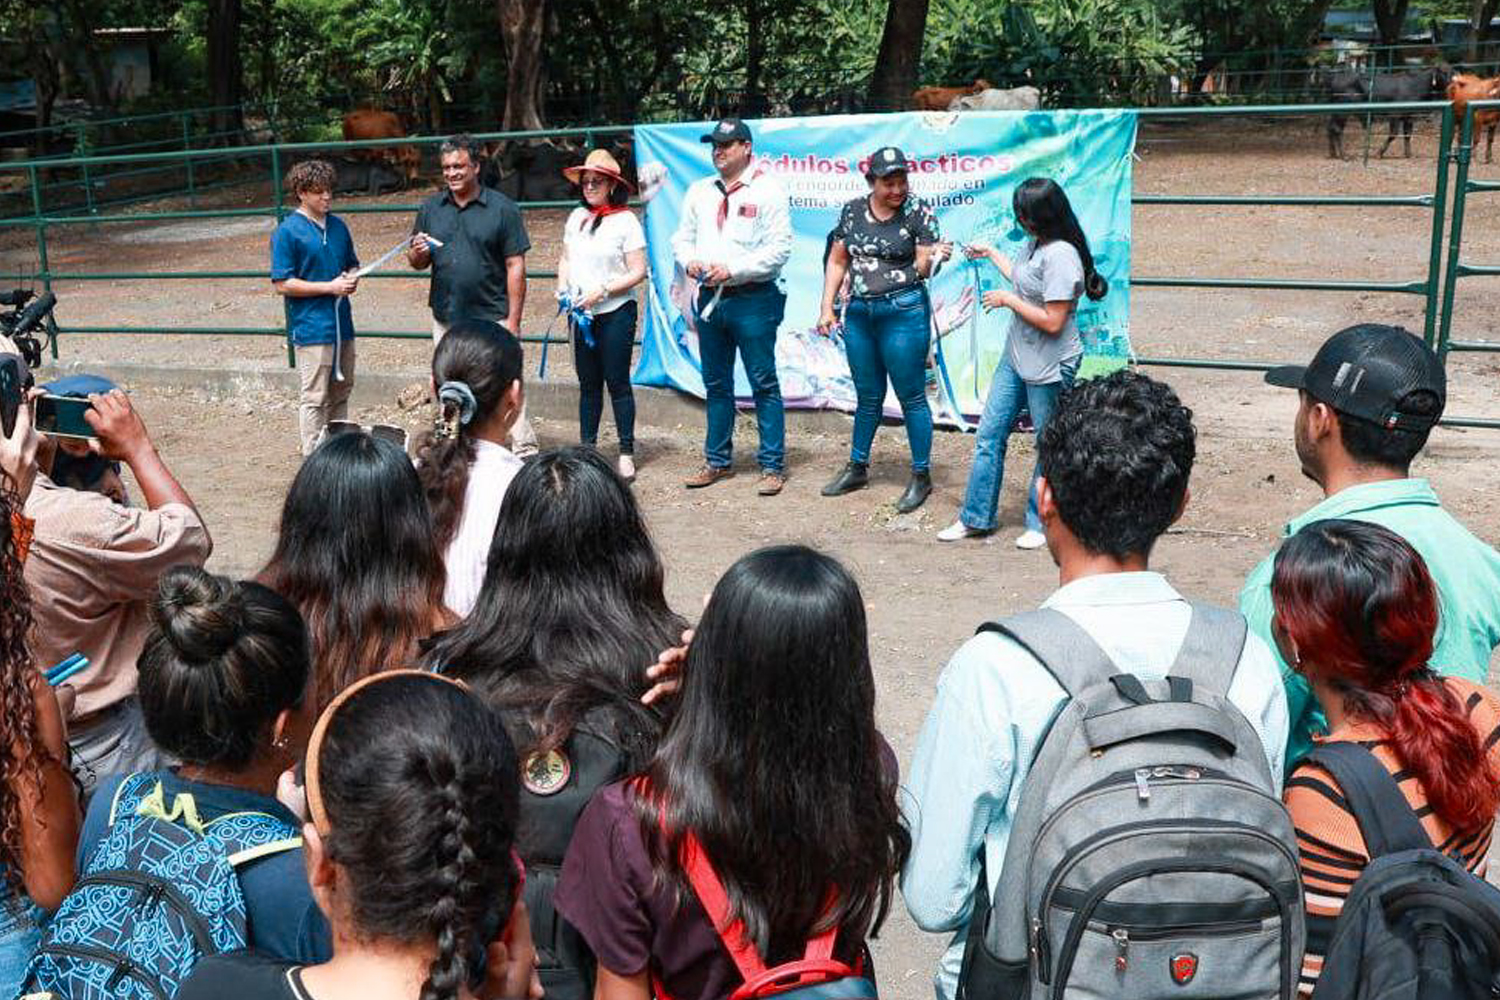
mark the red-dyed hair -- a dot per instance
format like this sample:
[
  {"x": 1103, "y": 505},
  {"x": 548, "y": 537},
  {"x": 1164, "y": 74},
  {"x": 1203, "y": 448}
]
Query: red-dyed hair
[{"x": 1357, "y": 601}]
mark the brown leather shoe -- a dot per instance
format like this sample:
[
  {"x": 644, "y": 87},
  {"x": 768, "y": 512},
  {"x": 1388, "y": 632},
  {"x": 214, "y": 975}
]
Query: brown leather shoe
[
  {"x": 707, "y": 476},
  {"x": 771, "y": 483}
]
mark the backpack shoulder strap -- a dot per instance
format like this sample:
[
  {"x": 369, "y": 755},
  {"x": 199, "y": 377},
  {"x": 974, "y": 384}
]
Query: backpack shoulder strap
[
  {"x": 246, "y": 836},
  {"x": 1386, "y": 819},
  {"x": 1211, "y": 649},
  {"x": 129, "y": 794},
  {"x": 1060, "y": 645}
]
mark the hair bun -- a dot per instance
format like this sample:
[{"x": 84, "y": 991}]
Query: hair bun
[{"x": 199, "y": 613}]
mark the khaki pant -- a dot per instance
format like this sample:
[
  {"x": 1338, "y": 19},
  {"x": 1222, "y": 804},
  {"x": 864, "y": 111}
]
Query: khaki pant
[
  {"x": 522, "y": 437},
  {"x": 322, "y": 399}
]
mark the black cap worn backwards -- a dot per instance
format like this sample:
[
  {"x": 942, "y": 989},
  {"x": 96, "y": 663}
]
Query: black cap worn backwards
[
  {"x": 1368, "y": 372},
  {"x": 728, "y": 130},
  {"x": 885, "y": 161}
]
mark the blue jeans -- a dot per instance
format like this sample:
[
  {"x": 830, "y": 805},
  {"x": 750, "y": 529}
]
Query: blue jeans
[
  {"x": 608, "y": 361},
  {"x": 21, "y": 923},
  {"x": 888, "y": 336},
  {"x": 746, "y": 321},
  {"x": 1008, "y": 393}
]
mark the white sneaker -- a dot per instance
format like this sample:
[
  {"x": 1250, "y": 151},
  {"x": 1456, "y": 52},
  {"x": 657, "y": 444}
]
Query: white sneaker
[
  {"x": 957, "y": 531},
  {"x": 1031, "y": 540},
  {"x": 627, "y": 468}
]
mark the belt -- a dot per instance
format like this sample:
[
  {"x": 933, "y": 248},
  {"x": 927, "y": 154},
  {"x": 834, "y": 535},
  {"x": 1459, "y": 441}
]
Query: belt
[
  {"x": 890, "y": 293},
  {"x": 746, "y": 289}
]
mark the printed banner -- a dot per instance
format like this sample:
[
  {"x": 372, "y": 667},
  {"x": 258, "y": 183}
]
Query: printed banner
[{"x": 966, "y": 165}]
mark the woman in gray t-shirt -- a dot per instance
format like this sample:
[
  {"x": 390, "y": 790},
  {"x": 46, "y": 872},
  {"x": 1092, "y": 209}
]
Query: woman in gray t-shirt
[{"x": 1042, "y": 347}]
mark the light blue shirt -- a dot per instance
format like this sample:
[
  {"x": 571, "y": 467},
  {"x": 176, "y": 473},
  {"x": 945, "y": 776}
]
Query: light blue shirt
[{"x": 994, "y": 701}]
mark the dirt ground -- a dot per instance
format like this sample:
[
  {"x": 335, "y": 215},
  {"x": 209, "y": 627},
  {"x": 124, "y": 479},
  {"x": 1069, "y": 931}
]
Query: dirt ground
[{"x": 234, "y": 450}]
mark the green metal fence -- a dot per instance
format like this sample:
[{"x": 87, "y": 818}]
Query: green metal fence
[
  {"x": 1456, "y": 267},
  {"x": 1434, "y": 285}
]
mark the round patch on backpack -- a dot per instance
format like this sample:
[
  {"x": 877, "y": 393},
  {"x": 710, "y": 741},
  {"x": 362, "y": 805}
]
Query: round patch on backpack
[{"x": 546, "y": 773}]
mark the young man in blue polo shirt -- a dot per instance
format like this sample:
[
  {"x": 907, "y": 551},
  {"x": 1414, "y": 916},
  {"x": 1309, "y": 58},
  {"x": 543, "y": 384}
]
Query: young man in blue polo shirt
[{"x": 312, "y": 264}]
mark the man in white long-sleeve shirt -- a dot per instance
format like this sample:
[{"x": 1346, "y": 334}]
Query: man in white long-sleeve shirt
[
  {"x": 734, "y": 236},
  {"x": 1115, "y": 459}
]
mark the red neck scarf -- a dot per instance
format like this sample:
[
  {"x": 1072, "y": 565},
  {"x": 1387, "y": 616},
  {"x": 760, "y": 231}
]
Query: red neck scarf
[
  {"x": 597, "y": 213},
  {"x": 743, "y": 181}
]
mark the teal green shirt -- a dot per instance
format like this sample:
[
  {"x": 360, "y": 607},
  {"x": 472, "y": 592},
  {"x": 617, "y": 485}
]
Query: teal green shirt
[{"x": 1465, "y": 569}]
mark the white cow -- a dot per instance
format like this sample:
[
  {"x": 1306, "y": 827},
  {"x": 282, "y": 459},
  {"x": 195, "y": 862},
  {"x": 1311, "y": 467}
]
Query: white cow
[{"x": 1015, "y": 99}]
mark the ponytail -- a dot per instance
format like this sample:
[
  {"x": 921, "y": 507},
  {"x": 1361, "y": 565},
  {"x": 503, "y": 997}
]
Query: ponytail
[
  {"x": 1358, "y": 605},
  {"x": 473, "y": 366},
  {"x": 1434, "y": 739}
]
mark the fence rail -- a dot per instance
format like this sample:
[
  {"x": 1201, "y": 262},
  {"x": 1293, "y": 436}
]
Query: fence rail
[{"x": 1436, "y": 286}]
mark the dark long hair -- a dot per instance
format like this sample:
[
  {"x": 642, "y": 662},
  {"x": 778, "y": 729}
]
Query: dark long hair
[
  {"x": 572, "y": 609},
  {"x": 26, "y": 754},
  {"x": 484, "y": 356},
  {"x": 221, "y": 662},
  {"x": 1042, "y": 206},
  {"x": 358, "y": 557},
  {"x": 1359, "y": 605},
  {"x": 420, "y": 786},
  {"x": 772, "y": 758}
]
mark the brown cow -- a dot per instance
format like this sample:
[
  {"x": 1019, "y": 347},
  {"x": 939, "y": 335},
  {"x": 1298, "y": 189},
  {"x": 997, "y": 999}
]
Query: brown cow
[
  {"x": 1465, "y": 87},
  {"x": 367, "y": 123},
  {"x": 938, "y": 98}
]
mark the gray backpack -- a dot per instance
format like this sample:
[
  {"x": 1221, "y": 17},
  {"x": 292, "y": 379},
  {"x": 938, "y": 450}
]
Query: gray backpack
[{"x": 1148, "y": 858}]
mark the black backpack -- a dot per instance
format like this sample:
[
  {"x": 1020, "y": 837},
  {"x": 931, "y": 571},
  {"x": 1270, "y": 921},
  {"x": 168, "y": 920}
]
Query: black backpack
[
  {"x": 1417, "y": 925},
  {"x": 555, "y": 788}
]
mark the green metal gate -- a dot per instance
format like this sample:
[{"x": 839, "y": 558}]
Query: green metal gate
[{"x": 1436, "y": 286}]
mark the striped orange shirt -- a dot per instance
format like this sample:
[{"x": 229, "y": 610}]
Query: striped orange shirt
[{"x": 1332, "y": 850}]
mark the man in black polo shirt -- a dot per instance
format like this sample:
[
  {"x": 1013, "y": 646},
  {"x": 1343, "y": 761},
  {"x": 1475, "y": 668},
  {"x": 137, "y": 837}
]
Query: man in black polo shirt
[{"x": 476, "y": 243}]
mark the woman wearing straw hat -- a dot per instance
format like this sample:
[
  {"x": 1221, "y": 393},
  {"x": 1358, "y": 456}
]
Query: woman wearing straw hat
[{"x": 603, "y": 258}]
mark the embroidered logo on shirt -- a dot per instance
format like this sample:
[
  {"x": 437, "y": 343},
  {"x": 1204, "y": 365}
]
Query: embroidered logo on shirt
[
  {"x": 749, "y": 211},
  {"x": 546, "y": 773}
]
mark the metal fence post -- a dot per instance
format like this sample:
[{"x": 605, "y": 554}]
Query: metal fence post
[
  {"x": 286, "y": 304},
  {"x": 41, "y": 243},
  {"x": 1455, "y": 231},
  {"x": 187, "y": 143},
  {"x": 1435, "y": 242}
]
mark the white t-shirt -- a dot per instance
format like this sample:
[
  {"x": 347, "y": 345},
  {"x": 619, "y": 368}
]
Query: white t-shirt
[
  {"x": 597, "y": 256},
  {"x": 469, "y": 552}
]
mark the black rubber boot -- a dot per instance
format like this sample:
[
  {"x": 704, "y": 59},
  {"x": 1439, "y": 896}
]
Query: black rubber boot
[
  {"x": 854, "y": 476},
  {"x": 917, "y": 492}
]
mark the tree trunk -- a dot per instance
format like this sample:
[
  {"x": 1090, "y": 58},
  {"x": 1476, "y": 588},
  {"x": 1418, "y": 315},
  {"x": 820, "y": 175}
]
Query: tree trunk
[
  {"x": 522, "y": 26},
  {"x": 226, "y": 83},
  {"x": 1390, "y": 18},
  {"x": 752, "y": 103},
  {"x": 1481, "y": 13},
  {"x": 95, "y": 77},
  {"x": 896, "y": 65}
]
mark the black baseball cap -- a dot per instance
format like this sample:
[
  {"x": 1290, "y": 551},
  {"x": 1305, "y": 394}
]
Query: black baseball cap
[
  {"x": 885, "y": 161},
  {"x": 728, "y": 130},
  {"x": 1369, "y": 371}
]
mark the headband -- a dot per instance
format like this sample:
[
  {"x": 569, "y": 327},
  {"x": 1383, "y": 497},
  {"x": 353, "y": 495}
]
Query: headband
[
  {"x": 315, "y": 810},
  {"x": 460, "y": 395}
]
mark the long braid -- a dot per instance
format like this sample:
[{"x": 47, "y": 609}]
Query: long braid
[{"x": 451, "y": 916}]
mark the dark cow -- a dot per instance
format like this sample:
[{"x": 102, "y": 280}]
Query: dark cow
[
  {"x": 369, "y": 177},
  {"x": 1345, "y": 86}
]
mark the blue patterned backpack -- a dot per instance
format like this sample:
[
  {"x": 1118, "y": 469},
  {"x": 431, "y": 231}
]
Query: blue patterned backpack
[{"x": 158, "y": 894}]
